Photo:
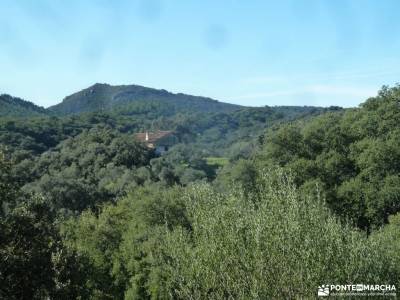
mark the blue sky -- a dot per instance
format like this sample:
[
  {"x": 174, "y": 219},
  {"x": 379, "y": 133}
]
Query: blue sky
[{"x": 325, "y": 52}]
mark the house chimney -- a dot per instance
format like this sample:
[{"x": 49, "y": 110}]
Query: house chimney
[{"x": 147, "y": 136}]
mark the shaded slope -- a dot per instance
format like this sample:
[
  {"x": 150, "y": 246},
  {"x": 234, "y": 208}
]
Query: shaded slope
[{"x": 16, "y": 107}]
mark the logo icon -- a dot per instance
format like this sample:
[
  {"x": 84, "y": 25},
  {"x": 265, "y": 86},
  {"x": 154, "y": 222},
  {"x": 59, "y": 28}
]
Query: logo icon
[
  {"x": 323, "y": 291},
  {"x": 359, "y": 287}
]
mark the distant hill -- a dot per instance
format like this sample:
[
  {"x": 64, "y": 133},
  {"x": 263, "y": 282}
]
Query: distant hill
[
  {"x": 102, "y": 97},
  {"x": 217, "y": 128},
  {"x": 16, "y": 107}
]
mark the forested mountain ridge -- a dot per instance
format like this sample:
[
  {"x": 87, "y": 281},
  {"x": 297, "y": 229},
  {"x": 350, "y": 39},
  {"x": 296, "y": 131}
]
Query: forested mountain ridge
[
  {"x": 17, "y": 107},
  {"x": 101, "y": 97},
  {"x": 40, "y": 146},
  {"x": 219, "y": 129}
]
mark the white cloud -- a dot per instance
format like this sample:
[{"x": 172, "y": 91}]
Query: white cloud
[
  {"x": 266, "y": 95},
  {"x": 352, "y": 91},
  {"x": 319, "y": 94},
  {"x": 303, "y": 78}
]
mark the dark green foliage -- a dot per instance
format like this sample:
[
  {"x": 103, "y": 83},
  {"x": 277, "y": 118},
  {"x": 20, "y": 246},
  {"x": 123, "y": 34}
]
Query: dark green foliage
[
  {"x": 26, "y": 138},
  {"x": 27, "y": 235},
  {"x": 16, "y": 107},
  {"x": 95, "y": 166},
  {"x": 120, "y": 241},
  {"x": 8, "y": 186},
  {"x": 354, "y": 155},
  {"x": 218, "y": 132},
  {"x": 242, "y": 173},
  {"x": 234, "y": 134},
  {"x": 73, "y": 186},
  {"x": 275, "y": 242},
  {"x": 34, "y": 264},
  {"x": 87, "y": 212},
  {"x": 388, "y": 241}
]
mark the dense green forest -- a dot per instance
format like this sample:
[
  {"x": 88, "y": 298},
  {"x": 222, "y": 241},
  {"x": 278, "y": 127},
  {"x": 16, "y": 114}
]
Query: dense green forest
[
  {"x": 250, "y": 203},
  {"x": 11, "y": 106}
]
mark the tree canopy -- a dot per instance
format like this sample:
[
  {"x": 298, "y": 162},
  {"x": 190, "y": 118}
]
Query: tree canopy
[{"x": 250, "y": 203}]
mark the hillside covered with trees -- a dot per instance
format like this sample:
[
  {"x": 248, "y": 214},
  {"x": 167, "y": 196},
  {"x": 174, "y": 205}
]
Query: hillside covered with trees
[
  {"x": 251, "y": 203},
  {"x": 17, "y": 107},
  {"x": 352, "y": 156},
  {"x": 105, "y": 96}
]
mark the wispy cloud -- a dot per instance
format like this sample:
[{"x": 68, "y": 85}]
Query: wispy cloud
[
  {"x": 315, "y": 90},
  {"x": 262, "y": 95},
  {"x": 353, "y": 91},
  {"x": 346, "y": 87},
  {"x": 371, "y": 73}
]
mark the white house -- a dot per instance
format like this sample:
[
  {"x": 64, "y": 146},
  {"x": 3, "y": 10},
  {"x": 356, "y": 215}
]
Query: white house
[{"x": 161, "y": 141}]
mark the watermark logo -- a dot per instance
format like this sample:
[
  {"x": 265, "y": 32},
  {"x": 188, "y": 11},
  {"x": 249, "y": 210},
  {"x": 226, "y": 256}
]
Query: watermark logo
[
  {"x": 356, "y": 290},
  {"x": 323, "y": 290}
]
